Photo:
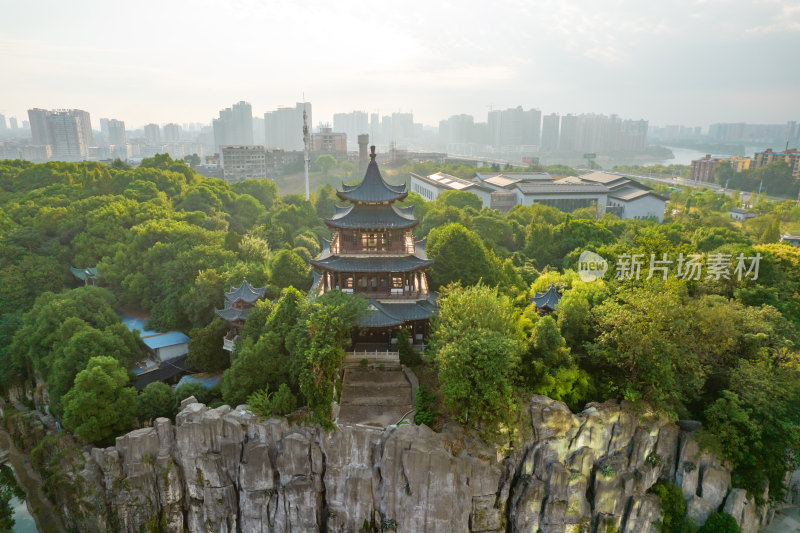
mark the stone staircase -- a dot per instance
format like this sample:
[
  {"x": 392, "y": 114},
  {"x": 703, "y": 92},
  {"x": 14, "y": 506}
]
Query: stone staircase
[{"x": 372, "y": 395}]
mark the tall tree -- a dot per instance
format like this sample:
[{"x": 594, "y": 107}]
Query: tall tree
[
  {"x": 477, "y": 342},
  {"x": 326, "y": 162},
  {"x": 101, "y": 404}
]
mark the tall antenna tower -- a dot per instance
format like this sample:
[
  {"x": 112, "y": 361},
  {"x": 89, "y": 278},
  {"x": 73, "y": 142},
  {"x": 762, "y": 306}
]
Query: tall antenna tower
[{"x": 306, "y": 144}]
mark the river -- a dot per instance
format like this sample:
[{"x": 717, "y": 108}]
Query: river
[
  {"x": 25, "y": 484},
  {"x": 685, "y": 156},
  {"x": 17, "y": 508}
]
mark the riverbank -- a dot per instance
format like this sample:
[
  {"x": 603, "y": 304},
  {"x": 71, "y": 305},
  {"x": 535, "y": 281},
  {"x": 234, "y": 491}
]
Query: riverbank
[{"x": 39, "y": 506}]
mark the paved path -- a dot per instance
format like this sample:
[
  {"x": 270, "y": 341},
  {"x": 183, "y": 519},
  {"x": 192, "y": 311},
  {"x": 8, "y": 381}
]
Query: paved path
[
  {"x": 373, "y": 396},
  {"x": 786, "y": 520}
]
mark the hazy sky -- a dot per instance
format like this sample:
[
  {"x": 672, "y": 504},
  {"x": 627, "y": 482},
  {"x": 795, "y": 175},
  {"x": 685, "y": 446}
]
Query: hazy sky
[{"x": 678, "y": 62}]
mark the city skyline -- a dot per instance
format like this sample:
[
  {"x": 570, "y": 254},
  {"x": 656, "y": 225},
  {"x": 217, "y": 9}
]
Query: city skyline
[{"x": 699, "y": 63}]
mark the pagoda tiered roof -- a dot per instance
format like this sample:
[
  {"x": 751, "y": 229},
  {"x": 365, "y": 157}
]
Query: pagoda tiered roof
[
  {"x": 387, "y": 314},
  {"x": 245, "y": 292},
  {"x": 232, "y": 314},
  {"x": 346, "y": 263},
  {"x": 373, "y": 188},
  {"x": 372, "y": 216}
]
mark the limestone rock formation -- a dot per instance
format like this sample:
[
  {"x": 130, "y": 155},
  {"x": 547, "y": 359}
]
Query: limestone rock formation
[{"x": 225, "y": 470}]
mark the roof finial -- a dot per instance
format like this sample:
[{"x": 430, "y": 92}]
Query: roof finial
[{"x": 372, "y": 153}]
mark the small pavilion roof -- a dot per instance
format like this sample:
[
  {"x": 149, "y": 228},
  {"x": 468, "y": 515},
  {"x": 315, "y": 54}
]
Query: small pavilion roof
[
  {"x": 84, "y": 273},
  {"x": 245, "y": 292},
  {"x": 231, "y": 314},
  {"x": 372, "y": 216},
  {"x": 373, "y": 188},
  {"x": 548, "y": 299}
]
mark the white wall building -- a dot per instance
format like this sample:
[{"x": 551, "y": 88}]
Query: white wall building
[
  {"x": 626, "y": 198},
  {"x": 429, "y": 187}
]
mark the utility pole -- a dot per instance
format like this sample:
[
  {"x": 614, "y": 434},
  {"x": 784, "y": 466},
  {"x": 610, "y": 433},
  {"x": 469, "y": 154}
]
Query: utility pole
[{"x": 306, "y": 142}]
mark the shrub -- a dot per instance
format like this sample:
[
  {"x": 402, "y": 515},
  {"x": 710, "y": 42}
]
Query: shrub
[
  {"x": 424, "y": 404},
  {"x": 607, "y": 471},
  {"x": 720, "y": 523},
  {"x": 202, "y": 393},
  {"x": 264, "y": 403},
  {"x": 283, "y": 401},
  {"x": 408, "y": 356},
  {"x": 673, "y": 508},
  {"x": 157, "y": 399}
]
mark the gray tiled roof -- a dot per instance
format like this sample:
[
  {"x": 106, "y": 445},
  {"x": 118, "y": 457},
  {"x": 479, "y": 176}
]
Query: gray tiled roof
[
  {"x": 387, "y": 314},
  {"x": 372, "y": 188},
  {"x": 231, "y": 313},
  {"x": 372, "y": 216},
  {"x": 548, "y": 299},
  {"x": 344, "y": 263},
  {"x": 245, "y": 292},
  {"x": 565, "y": 188},
  {"x": 83, "y": 273}
]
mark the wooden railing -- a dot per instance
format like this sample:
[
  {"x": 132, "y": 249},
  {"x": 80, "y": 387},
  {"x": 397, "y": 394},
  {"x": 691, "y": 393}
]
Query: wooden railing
[
  {"x": 228, "y": 344},
  {"x": 373, "y": 357}
]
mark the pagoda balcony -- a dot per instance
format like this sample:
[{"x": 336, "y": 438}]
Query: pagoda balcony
[
  {"x": 393, "y": 294},
  {"x": 229, "y": 342},
  {"x": 344, "y": 248}
]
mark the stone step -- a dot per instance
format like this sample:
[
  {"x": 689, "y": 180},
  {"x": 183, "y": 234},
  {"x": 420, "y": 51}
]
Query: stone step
[
  {"x": 377, "y": 390},
  {"x": 368, "y": 415},
  {"x": 373, "y": 378},
  {"x": 375, "y": 401},
  {"x": 374, "y": 396}
]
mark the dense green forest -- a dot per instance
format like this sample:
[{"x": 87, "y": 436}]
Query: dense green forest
[{"x": 168, "y": 242}]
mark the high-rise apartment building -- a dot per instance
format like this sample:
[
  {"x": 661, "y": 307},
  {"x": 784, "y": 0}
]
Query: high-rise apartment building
[
  {"x": 172, "y": 133},
  {"x": 457, "y": 129},
  {"x": 2, "y": 122},
  {"x": 283, "y": 128},
  {"x": 152, "y": 134},
  {"x": 241, "y": 162},
  {"x": 568, "y": 136},
  {"x": 70, "y": 133},
  {"x": 550, "y": 131},
  {"x": 40, "y": 133},
  {"x": 351, "y": 124},
  {"x": 602, "y": 134},
  {"x": 12, "y": 123},
  {"x": 515, "y": 128},
  {"x": 115, "y": 132},
  {"x": 234, "y": 125}
]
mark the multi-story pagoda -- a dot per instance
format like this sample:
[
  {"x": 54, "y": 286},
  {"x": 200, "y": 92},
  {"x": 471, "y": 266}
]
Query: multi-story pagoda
[
  {"x": 373, "y": 253},
  {"x": 238, "y": 303}
]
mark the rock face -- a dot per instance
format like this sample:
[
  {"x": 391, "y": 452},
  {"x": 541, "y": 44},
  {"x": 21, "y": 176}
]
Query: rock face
[{"x": 224, "y": 470}]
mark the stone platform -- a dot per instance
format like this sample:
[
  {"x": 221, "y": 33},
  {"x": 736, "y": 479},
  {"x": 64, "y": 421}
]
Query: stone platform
[{"x": 374, "y": 396}]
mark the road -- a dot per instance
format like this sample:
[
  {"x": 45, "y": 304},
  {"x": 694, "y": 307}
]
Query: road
[{"x": 687, "y": 183}]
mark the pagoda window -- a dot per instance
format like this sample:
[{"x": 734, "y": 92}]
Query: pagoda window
[
  {"x": 363, "y": 282},
  {"x": 397, "y": 282},
  {"x": 388, "y": 240},
  {"x": 348, "y": 282},
  {"x": 355, "y": 239},
  {"x": 369, "y": 240}
]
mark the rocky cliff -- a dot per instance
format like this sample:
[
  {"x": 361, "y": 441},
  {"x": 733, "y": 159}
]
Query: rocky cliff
[{"x": 224, "y": 470}]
